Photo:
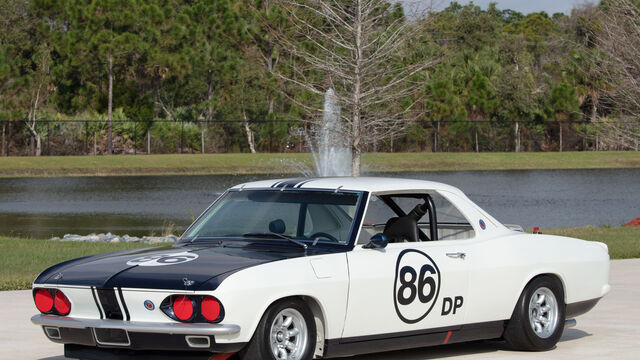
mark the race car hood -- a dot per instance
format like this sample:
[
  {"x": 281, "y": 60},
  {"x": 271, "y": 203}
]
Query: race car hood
[{"x": 173, "y": 267}]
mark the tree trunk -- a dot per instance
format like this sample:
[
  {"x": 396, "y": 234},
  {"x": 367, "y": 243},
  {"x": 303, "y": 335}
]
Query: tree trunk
[
  {"x": 202, "y": 139},
  {"x": 355, "y": 148},
  {"x": 110, "y": 106},
  {"x": 250, "y": 138},
  {"x": 4, "y": 138},
  {"x": 517, "y": 136},
  {"x": 436, "y": 138},
  {"x": 560, "y": 147},
  {"x": 356, "y": 156},
  {"x": 31, "y": 125},
  {"x": 270, "y": 111},
  {"x": 38, "y": 144},
  {"x": 475, "y": 131}
]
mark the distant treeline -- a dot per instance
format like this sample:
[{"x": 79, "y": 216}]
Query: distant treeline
[{"x": 505, "y": 81}]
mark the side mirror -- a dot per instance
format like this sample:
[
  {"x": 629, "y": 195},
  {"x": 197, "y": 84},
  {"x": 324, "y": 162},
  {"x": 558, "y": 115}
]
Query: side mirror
[{"x": 377, "y": 241}]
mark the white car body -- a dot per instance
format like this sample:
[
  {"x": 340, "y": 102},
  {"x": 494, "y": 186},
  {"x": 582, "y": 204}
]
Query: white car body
[{"x": 355, "y": 294}]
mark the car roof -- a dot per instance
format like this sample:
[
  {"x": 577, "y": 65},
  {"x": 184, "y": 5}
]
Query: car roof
[{"x": 370, "y": 184}]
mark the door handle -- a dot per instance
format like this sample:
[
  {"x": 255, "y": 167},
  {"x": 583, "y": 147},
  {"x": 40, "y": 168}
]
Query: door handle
[{"x": 457, "y": 255}]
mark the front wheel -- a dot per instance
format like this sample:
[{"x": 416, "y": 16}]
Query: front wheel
[
  {"x": 538, "y": 319},
  {"x": 287, "y": 331}
]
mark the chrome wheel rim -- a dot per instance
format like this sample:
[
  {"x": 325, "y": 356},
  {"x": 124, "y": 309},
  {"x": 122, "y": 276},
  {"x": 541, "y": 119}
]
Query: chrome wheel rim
[
  {"x": 543, "y": 312},
  {"x": 288, "y": 335}
]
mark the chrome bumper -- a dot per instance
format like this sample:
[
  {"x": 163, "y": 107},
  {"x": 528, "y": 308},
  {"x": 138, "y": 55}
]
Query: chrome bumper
[{"x": 135, "y": 326}]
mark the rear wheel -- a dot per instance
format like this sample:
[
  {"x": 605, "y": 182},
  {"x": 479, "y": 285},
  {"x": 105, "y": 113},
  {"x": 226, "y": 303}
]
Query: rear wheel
[
  {"x": 538, "y": 319},
  {"x": 287, "y": 331}
]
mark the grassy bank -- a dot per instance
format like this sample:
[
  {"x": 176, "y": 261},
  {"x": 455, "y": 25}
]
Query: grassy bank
[
  {"x": 290, "y": 163},
  {"x": 623, "y": 241},
  {"x": 22, "y": 259}
]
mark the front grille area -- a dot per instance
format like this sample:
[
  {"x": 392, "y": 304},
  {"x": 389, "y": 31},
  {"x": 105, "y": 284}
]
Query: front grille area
[
  {"x": 110, "y": 304},
  {"x": 116, "y": 337}
]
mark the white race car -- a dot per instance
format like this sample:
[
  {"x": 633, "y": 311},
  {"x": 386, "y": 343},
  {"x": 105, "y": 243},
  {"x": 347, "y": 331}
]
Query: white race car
[{"x": 317, "y": 268}]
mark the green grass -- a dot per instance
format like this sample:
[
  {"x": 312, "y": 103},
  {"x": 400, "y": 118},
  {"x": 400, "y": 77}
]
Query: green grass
[
  {"x": 21, "y": 260},
  {"x": 623, "y": 241},
  {"x": 285, "y": 163}
]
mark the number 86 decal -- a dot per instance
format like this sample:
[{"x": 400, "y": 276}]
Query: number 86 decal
[{"x": 415, "y": 291}]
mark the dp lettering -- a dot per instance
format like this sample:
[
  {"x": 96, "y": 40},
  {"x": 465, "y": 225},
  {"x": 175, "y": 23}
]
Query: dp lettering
[{"x": 450, "y": 306}]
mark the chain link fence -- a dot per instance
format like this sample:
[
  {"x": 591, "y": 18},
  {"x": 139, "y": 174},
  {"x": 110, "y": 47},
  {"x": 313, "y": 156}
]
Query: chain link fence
[{"x": 89, "y": 137}]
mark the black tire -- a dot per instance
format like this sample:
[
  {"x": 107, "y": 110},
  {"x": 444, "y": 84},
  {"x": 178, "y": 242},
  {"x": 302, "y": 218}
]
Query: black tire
[
  {"x": 520, "y": 333},
  {"x": 260, "y": 345}
]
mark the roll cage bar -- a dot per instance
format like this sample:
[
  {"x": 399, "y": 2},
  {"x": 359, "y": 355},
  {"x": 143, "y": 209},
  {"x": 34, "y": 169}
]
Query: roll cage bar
[{"x": 428, "y": 207}]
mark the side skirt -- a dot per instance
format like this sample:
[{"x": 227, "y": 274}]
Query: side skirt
[
  {"x": 413, "y": 339},
  {"x": 580, "y": 307}
]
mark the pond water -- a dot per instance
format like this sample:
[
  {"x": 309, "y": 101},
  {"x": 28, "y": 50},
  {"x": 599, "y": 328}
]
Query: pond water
[{"x": 143, "y": 205}]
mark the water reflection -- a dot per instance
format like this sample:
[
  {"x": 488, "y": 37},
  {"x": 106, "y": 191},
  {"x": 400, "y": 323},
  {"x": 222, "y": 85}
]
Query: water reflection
[{"x": 143, "y": 205}]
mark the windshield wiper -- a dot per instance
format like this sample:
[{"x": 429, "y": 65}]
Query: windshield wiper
[
  {"x": 202, "y": 237},
  {"x": 272, "y": 234}
]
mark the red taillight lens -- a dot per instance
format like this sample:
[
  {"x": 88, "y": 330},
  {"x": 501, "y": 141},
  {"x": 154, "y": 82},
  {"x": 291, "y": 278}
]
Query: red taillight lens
[
  {"x": 210, "y": 308},
  {"x": 63, "y": 305},
  {"x": 183, "y": 308},
  {"x": 44, "y": 300}
]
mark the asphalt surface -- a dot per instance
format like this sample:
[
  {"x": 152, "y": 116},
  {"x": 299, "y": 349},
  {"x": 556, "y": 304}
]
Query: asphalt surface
[{"x": 611, "y": 330}]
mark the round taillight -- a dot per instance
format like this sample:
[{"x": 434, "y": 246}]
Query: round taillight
[
  {"x": 210, "y": 308},
  {"x": 183, "y": 308},
  {"x": 44, "y": 300},
  {"x": 63, "y": 305}
]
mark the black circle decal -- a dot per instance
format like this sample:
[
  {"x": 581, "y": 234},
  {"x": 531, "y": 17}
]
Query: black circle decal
[
  {"x": 416, "y": 285},
  {"x": 163, "y": 259}
]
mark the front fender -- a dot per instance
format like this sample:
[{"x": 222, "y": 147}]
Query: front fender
[{"x": 248, "y": 293}]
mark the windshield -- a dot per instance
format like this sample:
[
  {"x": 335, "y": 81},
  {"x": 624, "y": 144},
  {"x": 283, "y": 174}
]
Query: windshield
[{"x": 316, "y": 216}]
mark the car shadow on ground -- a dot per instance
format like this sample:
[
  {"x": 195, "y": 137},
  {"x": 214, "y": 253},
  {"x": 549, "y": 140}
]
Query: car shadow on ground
[
  {"x": 470, "y": 348},
  {"x": 573, "y": 334},
  {"x": 442, "y": 351},
  {"x": 438, "y": 352}
]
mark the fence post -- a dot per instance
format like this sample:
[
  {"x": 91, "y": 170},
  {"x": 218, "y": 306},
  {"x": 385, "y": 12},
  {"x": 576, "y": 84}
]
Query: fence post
[
  {"x": 95, "y": 143},
  {"x": 135, "y": 137},
  {"x": 8, "y": 140},
  {"x": 270, "y": 136},
  {"x": 202, "y": 138},
  {"x": 4, "y": 137},
  {"x": 181, "y": 135},
  {"x": 149, "y": 138},
  {"x": 436, "y": 136},
  {"x": 49, "y": 138},
  {"x": 86, "y": 137}
]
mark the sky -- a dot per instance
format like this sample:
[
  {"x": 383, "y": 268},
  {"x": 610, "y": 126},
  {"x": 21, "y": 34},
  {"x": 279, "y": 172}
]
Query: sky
[{"x": 526, "y": 6}]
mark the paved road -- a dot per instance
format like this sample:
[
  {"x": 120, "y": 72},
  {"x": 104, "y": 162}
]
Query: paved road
[{"x": 611, "y": 330}]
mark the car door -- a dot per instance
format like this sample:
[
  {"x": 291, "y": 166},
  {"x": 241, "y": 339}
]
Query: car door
[{"x": 405, "y": 286}]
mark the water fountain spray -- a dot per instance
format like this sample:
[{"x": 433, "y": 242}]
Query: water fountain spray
[{"x": 331, "y": 154}]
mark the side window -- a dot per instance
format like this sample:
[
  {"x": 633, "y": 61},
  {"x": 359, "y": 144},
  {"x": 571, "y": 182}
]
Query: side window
[
  {"x": 374, "y": 220},
  {"x": 408, "y": 203},
  {"x": 452, "y": 225}
]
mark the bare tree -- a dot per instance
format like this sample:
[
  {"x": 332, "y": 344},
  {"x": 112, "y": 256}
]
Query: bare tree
[
  {"x": 618, "y": 39},
  {"x": 362, "y": 49},
  {"x": 39, "y": 92}
]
